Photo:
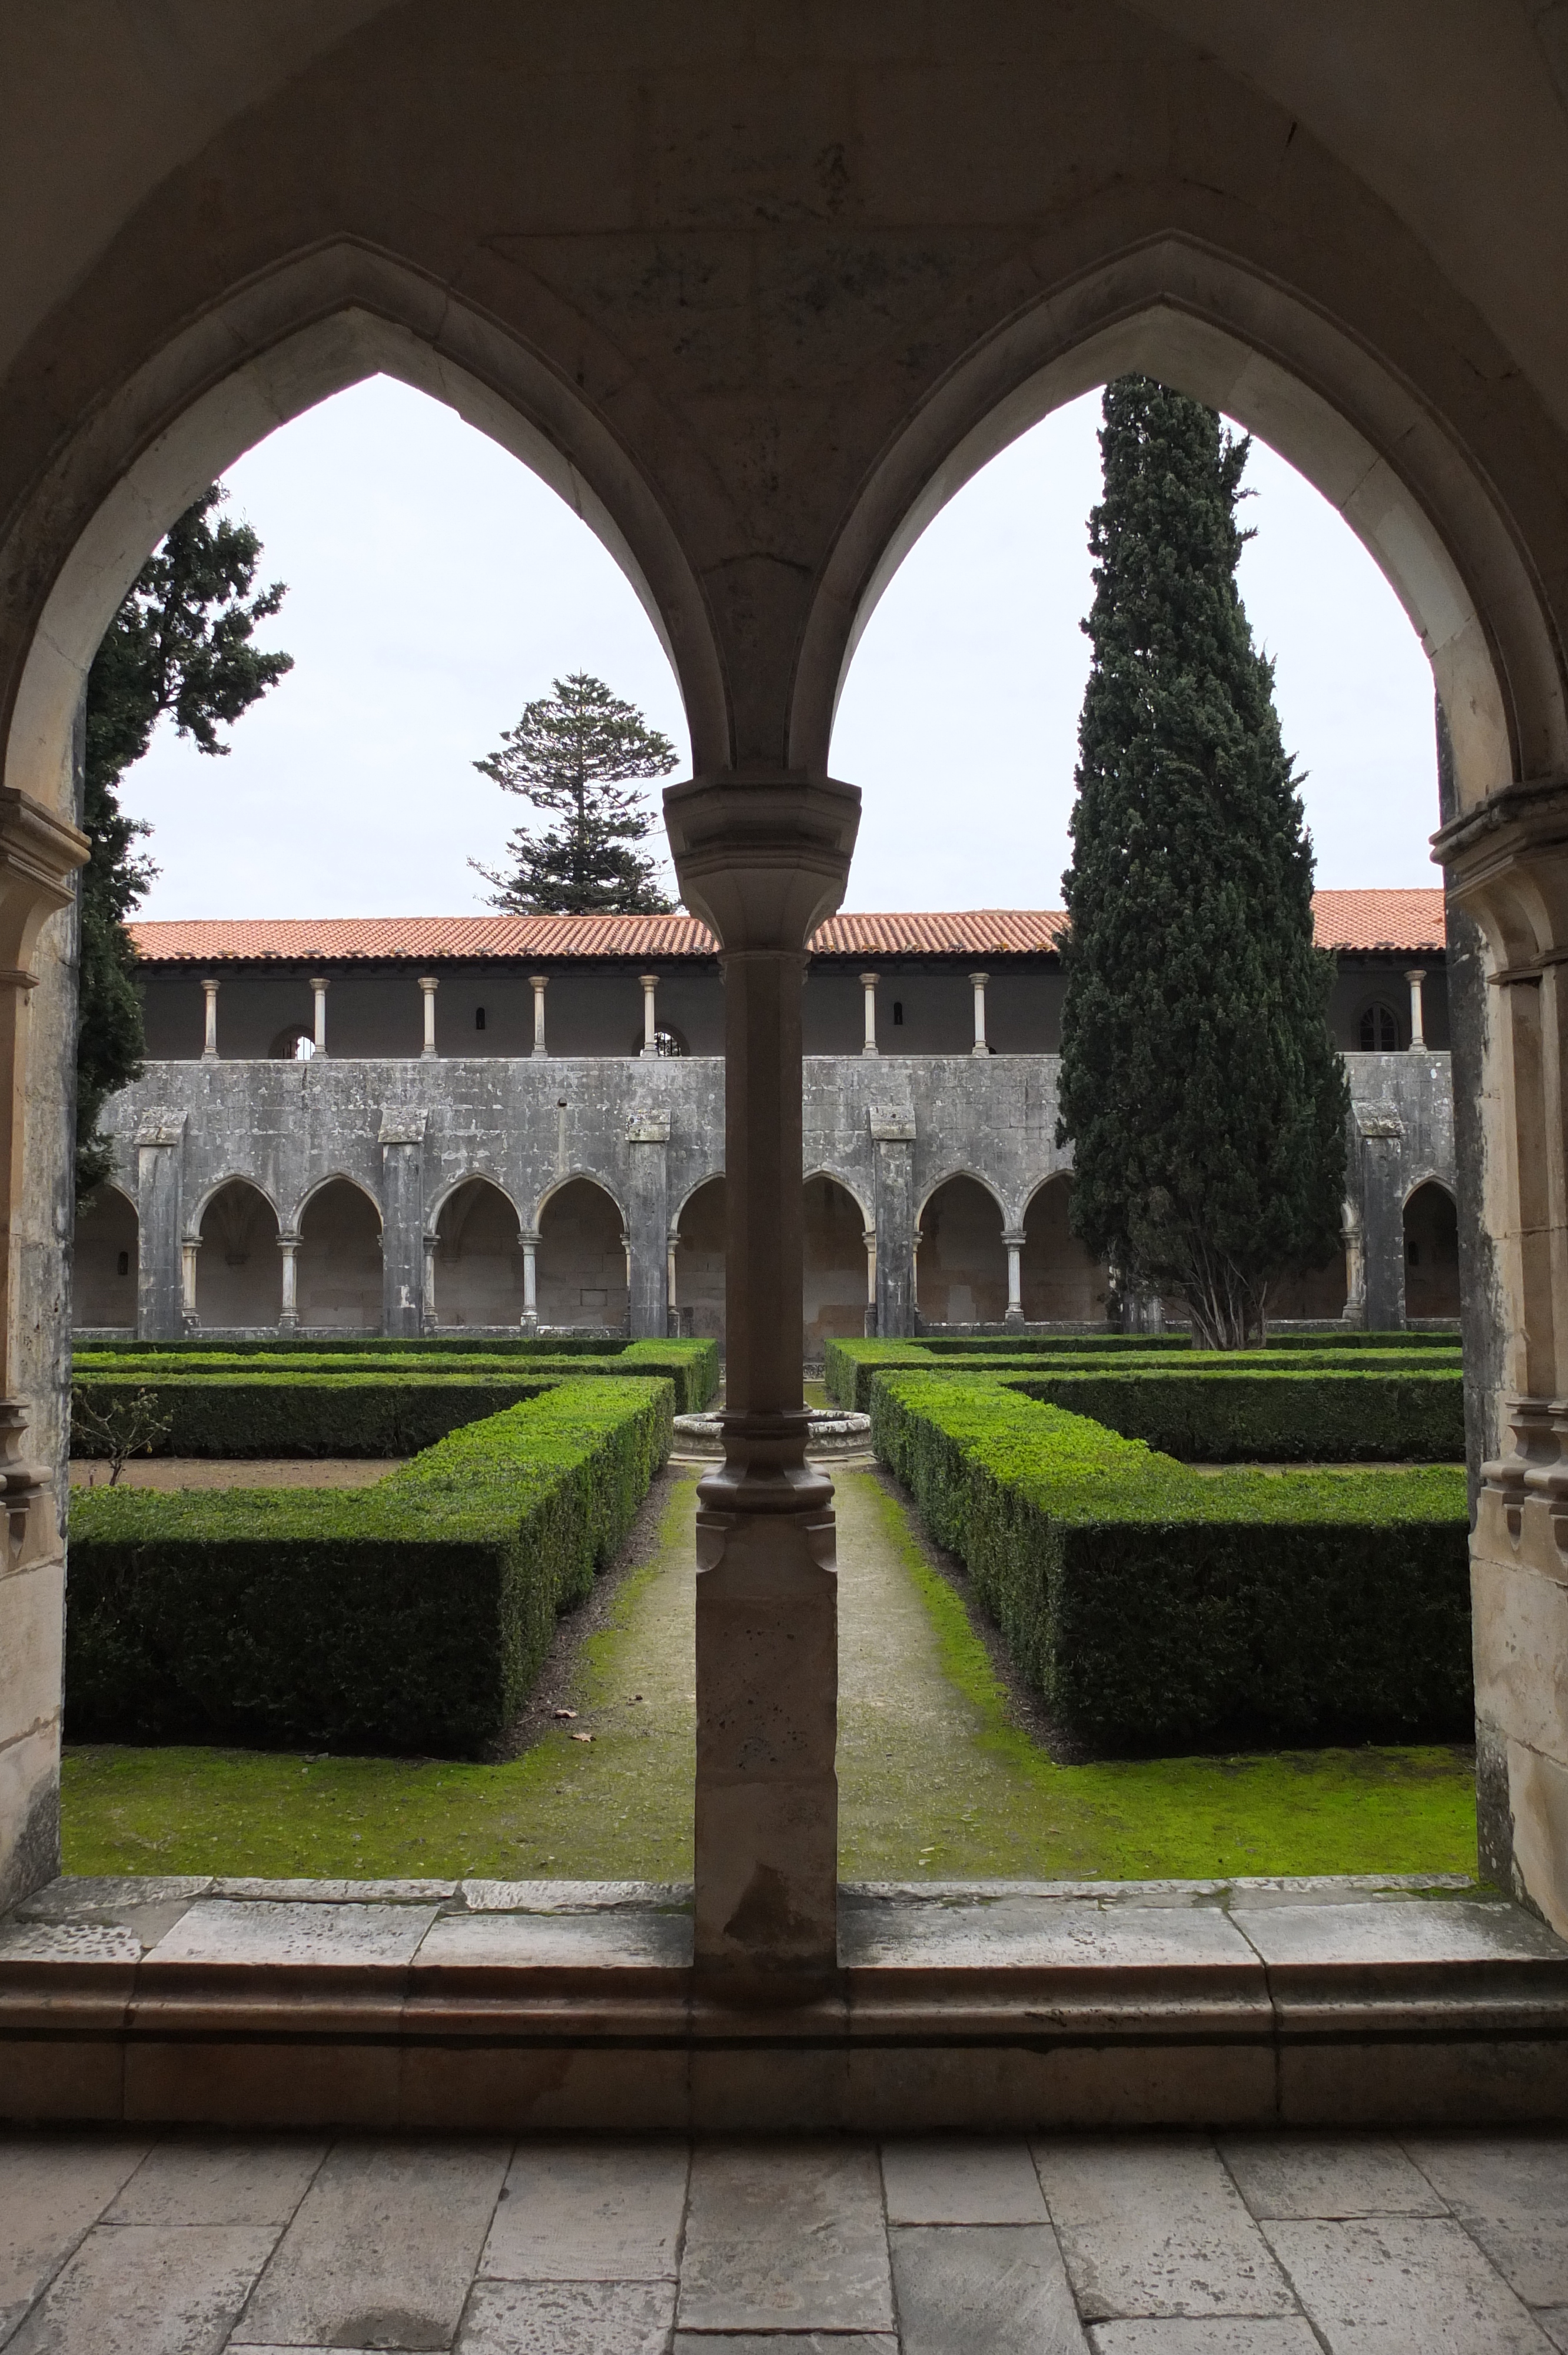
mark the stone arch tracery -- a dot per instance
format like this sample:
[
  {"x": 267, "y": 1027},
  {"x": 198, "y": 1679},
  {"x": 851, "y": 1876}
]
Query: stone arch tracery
[
  {"x": 477, "y": 1259},
  {"x": 582, "y": 1256},
  {"x": 961, "y": 1259}
]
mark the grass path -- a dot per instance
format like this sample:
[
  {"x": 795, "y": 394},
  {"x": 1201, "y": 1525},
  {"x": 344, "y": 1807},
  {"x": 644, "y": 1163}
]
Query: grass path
[{"x": 934, "y": 1782}]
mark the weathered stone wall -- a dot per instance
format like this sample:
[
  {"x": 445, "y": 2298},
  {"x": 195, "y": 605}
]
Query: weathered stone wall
[{"x": 594, "y": 1162}]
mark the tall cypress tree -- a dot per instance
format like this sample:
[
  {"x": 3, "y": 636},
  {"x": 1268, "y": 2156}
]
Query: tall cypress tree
[
  {"x": 1200, "y": 1085},
  {"x": 180, "y": 644}
]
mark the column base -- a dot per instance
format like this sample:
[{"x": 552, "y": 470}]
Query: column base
[{"x": 767, "y": 1792}]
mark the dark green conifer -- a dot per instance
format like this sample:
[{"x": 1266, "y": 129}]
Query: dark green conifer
[
  {"x": 579, "y": 752},
  {"x": 1200, "y": 1085},
  {"x": 179, "y": 645}
]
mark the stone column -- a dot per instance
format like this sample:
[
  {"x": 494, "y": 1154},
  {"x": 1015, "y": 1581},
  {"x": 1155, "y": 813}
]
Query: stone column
[
  {"x": 649, "y": 1014},
  {"x": 648, "y": 1223},
  {"x": 1013, "y": 1238},
  {"x": 165, "y": 1298},
  {"x": 38, "y": 855},
  {"x": 893, "y": 1183},
  {"x": 868, "y": 1237},
  {"x": 868, "y": 982},
  {"x": 1382, "y": 1218},
  {"x": 1355, "y": 1267},
  {"x": 529, "y": 1239},
  {"x": 428, "y": 1303},
  {"x": 977, "y": 983},
  {"x": 289, "y": 1314},
  {"x": 429, "y": 984},
  {"x": 209, "y": 1044},
  {"x": 402, "y": 1141},
  {"x": 190, "y": 1246},
  {"x": 763, "y": 859},
  {"x": 672, "y": 1308},
  {"x": 1416, "y": 976},
  {"x": 539, "y": 983},
  {"x": 1507, "y": 868},
  {"x": 320, "y": 984}
]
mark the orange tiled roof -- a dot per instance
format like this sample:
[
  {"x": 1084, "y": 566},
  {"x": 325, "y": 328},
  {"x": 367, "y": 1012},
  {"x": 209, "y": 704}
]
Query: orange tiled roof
[
  {"x": 1403, "y": 923},
  {"x": 1407, "y": 924}
]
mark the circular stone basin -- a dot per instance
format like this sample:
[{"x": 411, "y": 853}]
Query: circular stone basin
[{"x": 832, "y": 1432}]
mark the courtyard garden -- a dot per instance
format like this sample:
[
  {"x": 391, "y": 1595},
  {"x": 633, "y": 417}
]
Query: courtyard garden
[{"x": 1063, "y": 1652}]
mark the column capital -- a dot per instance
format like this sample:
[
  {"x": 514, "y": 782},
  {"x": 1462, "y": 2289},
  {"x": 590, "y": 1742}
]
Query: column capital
[
  {"x": 430, "y": 980},
  {"x": 762, "y": 856},
  {"x": 320, "y": 981},
  {"x": 538, "y": 981},
  {"x": 979, "y": 980},
  {"x": 1507, "y": 864},
  {"x": 1014, "y": 1238}
]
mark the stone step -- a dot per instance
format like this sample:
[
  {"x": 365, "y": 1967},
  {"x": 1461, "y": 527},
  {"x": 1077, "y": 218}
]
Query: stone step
[{"x": 979, "y": 2005}]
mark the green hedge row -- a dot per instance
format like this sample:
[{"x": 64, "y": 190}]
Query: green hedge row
[
  {"x": 1226, "y": 1415},
  {"x": 307, "y": 1406},
  {"x": 1152, "y": 1605},
  {"x": 1296, "y": 1405},
  {"x": 693, "y": 1366},
  {"x": 408, "y": 1617}
]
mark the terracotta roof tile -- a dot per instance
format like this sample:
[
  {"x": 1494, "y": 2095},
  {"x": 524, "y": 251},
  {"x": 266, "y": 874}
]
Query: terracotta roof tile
[{"x": 1402, "y": 923}]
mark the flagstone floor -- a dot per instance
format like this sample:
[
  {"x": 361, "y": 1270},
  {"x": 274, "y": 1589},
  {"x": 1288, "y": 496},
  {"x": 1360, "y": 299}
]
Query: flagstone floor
[{"x": 1150, "y": 2244}]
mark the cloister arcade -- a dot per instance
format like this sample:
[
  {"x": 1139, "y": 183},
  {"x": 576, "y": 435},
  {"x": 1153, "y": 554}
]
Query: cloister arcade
[{"x": 914, "y": 236}]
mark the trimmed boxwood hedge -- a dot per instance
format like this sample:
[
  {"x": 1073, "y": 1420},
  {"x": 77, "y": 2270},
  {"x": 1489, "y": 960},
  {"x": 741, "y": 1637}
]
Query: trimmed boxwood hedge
[
  {"x": 408, "y": 1617},
  {"x": 1320, "y": 1405},
  {"x": 1230, "y": 1413},
  {"x": 311, "y": 1405},
  {"x": 693, "y": 1366},
  {"x": 1152, "y": 1605}
]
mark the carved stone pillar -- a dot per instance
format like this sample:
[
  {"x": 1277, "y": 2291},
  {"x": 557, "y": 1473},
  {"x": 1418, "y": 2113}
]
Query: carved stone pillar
[
  {"x": 209, "y": 1034},
  {"x": 1014, "y": 1244},
  {"x": 529, "y": 1239},
  {"x": 289, "y": 1310},
  {"x": 429, "y": 982},
  {"x": 38, "y": 855},
  {"x": 428, "y": 1302},
  {"x": 402, "y": 1144},
  {"x": 539, "y": 983},
  {"x": 977, "y": 983},
  {"x": 868, "y": 1237},
  {"x": 1382, "y": 1135},
  {"x": 1507, "y": 867},
  {"x": 649, "y": 1013},
  {"x": 648, "y": 1223},
  {"x": 893, "y": 1180},
  {"x": 763, "y": 860},
  {"x": 320, "y": 984},
  {"x": 868, "y": 982},
  {"x": 1414, "y": 980},
  {"x": 166, "y": 1285}
]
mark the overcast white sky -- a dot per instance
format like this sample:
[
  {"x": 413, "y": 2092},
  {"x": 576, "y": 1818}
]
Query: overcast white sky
[{"x": 436, "y": 586}]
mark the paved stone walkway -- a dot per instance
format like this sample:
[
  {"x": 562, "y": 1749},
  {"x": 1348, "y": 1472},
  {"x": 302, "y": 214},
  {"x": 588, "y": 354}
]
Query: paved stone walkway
[{"x": 1451, "y": 2245}]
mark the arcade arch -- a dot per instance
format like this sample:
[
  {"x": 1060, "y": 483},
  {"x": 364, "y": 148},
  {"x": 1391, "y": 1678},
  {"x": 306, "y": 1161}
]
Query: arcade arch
[
  {"x": 238, "y": 1266},
  {"x": 961, "y": 1259},
  {"x": 338, "y": 1277},
  {"x": 1431, "y": 1252},
  {"x": 582, "y": 1270},
  {"x": 477, "y": 1262},
  {"x": 1061, "y": 1281},
  {"x": 834, "y": 1283},
  {"x": 104, "y": 1262},
  {"x": 696, "y": 1263}
]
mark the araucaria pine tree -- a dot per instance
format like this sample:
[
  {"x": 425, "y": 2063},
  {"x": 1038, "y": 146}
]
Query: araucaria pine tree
[
  {"x": 578, "y": 753},
  {"x": 1200, "y": 1085}
]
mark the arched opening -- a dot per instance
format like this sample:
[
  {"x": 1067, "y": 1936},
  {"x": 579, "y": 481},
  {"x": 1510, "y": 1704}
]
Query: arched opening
[
  {"x": 240, "y": 1269},
  {"x": 104, "y": 1262},
  {"x": 1379, "y": 1030},
  {"x": 339, "y": 1272},
  {"x": 582, "y": 1259},
  {"x": 479, "y": 1257},
  {"x": 961, "y": 1265},
  {"x": 1431, "y": 1252},
  {"x": 1063, "y": 1283},
  {"x": 295, "y": 1043},
  {"x": 698, "y": 1294},
  {"x": 834, "y": 1279}
]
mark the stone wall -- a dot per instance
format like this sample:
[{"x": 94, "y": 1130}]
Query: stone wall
[{"x": 411, "y": 1194}]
